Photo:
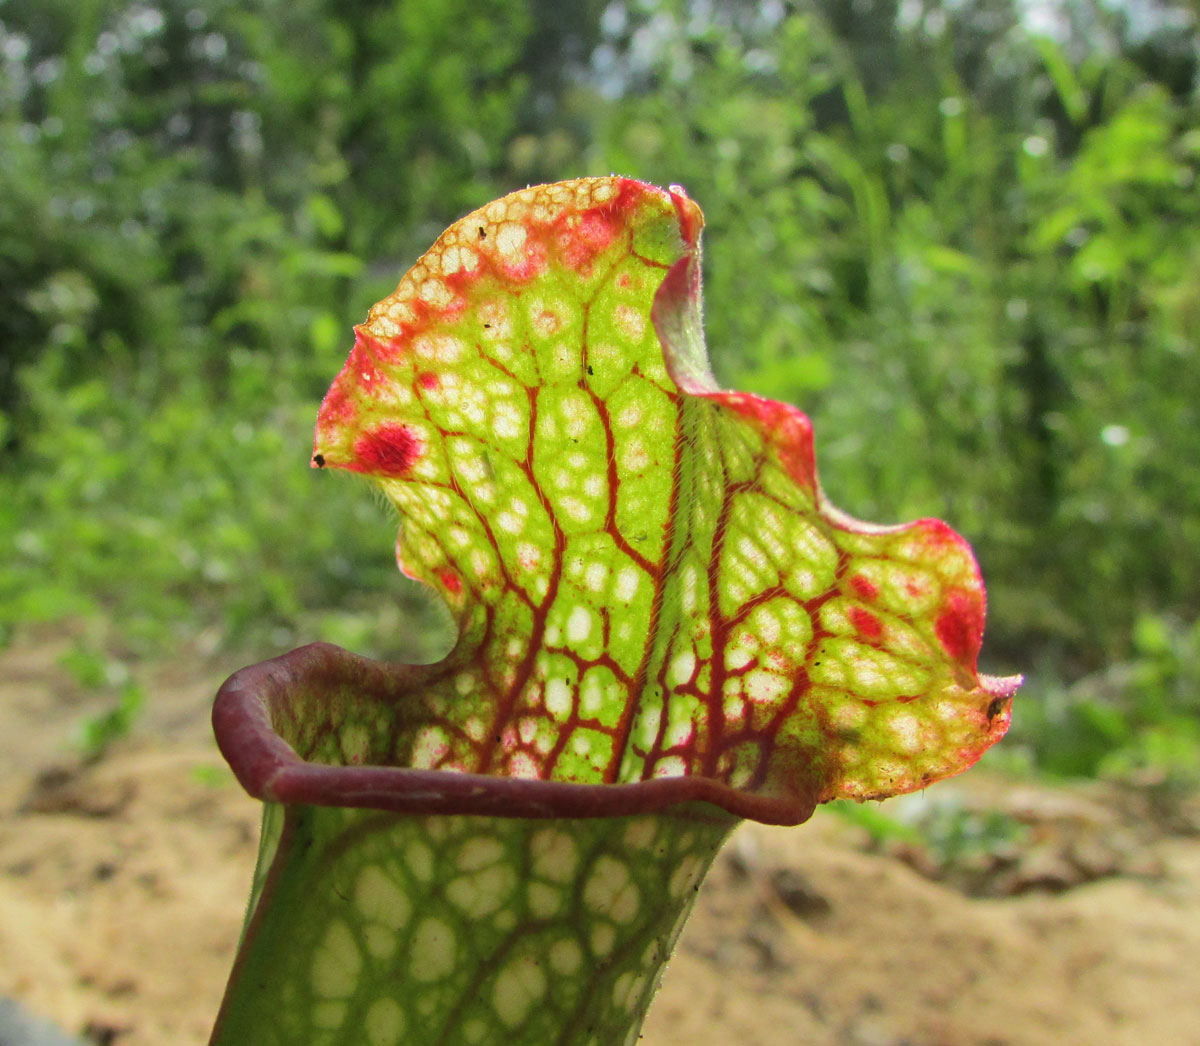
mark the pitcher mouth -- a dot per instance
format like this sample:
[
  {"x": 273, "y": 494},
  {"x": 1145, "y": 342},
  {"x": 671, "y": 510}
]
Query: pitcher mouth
[{"x": 254, "y": 699}]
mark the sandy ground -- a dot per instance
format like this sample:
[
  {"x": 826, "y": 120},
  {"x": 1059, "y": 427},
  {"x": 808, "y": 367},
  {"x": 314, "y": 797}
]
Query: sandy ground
[{"x": 122, "y": 885}]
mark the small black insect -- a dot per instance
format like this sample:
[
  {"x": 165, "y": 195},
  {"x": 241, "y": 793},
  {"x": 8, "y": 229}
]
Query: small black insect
[
  {"x": 590, "y": 371},
  {"x": 319, "y": 460},
  {"x": 482, "y": 233}
]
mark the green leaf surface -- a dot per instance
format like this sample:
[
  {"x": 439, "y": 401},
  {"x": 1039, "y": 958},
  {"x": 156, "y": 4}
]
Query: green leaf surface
[
  {"x": 646, "y": 578},
  {"x": 382, "y": 930}
]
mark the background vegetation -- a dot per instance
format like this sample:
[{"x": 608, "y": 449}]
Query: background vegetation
[{"x": 964, "y": 235}]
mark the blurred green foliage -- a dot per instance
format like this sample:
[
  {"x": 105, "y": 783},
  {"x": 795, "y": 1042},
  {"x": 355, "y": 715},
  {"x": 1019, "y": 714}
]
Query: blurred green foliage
[
  {"x": 964, "y": 236},
  {"x": 99, "y": 732},
  {"x": 1138, "y": 719},
  {"x": 951, "y": 835}
]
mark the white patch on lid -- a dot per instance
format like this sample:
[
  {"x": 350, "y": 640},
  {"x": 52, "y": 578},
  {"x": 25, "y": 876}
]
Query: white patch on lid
[
  {"x": 751, "y": 552},
  {"x": 510, "y": 523},
  {"x": 683, "y": 665},
  {"x": 737, "y": 657},
  {"x": 510, "y": 240},
  {"x": 591, "y": 694},
  {"x": 472, "y": 468},
  {"x": 630, "y": 321},
  {"x": 733, "y": 708},
  {"x": 576, "y": 416},
  {"x": 523, "y": 765},
  {"x": 458, "y": 257},
  {"x": 578, "y": 510},
  {"x": 474, "y": 411},
  {"x": 764, "y": 687},
  {"x": 558, "y": 698},
  {"x": 846, "y": 715},
  {"x": 429, "y": 746},
  {"x": 670, "y": 766},
  {"x": 907, "y": 729},
  {"x": 678, "y": 733},
  {"x": 634, "y": 457},
  {"x": 595, "y": 576},
  {"x": 506, "y": 421},
  {"x": 579, "y": 624},
  {"x": 767, "y": 624},
  {"x": 630, "y": 416}
]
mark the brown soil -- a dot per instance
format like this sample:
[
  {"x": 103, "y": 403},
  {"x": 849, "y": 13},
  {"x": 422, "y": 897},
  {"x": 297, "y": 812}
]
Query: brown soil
[{"x": 122, "y": 885}]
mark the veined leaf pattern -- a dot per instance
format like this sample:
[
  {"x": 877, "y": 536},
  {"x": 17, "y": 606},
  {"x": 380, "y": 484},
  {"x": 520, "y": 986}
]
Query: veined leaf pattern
[{"x": 646, "y": 578}]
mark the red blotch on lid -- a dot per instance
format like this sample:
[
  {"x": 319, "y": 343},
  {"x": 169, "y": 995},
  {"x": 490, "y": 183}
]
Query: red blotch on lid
[
  {"x": 428, "y": 380},
  {"x": 461, "y": 282},
  {"x": 691, "y": 218},
  {"x": 865, "y": 623},
  {"x": 531, "y": 266},
  {"x": 581, "y": 235},
  {"x": 959, "y": 627},
  {"x": 630, "y": 193},
  {"x": 369, "y": 351},
  {"x": 864, "y": 587},
  {"x": 786, "y": 427},
  {"x": 389, "y": 450},
  {"x": 596, "y": 227},
  {"x": 452, "y": 582},
  {"x": 781, "y": 662},
  {"x": 938, "y": 535},
  {"x": 338, "y": 408}
]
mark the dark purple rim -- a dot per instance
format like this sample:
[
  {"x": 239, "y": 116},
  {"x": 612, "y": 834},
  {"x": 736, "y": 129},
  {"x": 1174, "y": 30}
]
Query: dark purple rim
[{"x": 269, "y": 768}]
